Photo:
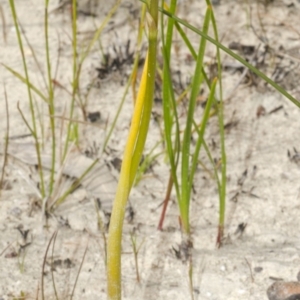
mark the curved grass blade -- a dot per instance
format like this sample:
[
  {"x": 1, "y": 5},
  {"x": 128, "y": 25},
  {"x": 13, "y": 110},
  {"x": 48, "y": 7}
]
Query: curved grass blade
[
  {"x": 27, "y": 82},
  {"x": 131, "y": 159},
  {"x": 234, "y": 55}
]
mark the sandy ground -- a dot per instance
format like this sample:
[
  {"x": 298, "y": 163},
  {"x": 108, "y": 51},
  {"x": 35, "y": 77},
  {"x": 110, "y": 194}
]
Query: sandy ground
[{"x": 261, "y": 128}]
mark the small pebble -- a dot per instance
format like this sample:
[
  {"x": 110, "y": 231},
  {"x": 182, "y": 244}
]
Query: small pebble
[
  {"x": 258, "y": 269},
  {"x": 281, "y": 290}
]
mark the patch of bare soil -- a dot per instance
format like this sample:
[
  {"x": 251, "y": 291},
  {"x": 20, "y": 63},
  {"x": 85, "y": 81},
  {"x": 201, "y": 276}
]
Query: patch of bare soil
[{"x": 263, "y": 152}]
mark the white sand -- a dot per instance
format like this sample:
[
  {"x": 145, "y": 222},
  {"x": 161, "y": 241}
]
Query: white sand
[{"x": 268, "y": 201}]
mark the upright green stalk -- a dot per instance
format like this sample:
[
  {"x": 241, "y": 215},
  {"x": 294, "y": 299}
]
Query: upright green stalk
[
  {"x": 169, "y": 103},
  {"x": 200, "y": 140},
  {"x": 51, "y": 107},
  {"x": 186, "y": 179},
  {"x": 75, "y": 78},
  {"x": 33, "y": 130},
  {"x": 222, "y": 191},
  {"x": 152, "y": 21},
  {"x": 5, "y": 152},
  {"x": 132, "y": 155},
  {"x": 220, "y": 106},
  {"x": 220, "y": 110}
]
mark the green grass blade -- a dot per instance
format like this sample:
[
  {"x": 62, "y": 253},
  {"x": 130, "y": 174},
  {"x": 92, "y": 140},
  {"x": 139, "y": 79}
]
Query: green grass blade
[
  {"x": 146, "y": 114},
  {"x": 131, "y": 159},
  {"x": 75, "y": 79},
  {"x": 186, "y": 181},
  {"x": 99, "y": 31},
  {"x": 6, "y": 143},
  {"x": 202, "y": 130},
  {"x": 234, "y": 55},
  {"x": 169, "y": 103},
  {"x": 51, "y": 107},
  {"x": 27, "y": 82},
  {"x": 31, "y": 105},
  {"x": 192, "y": 50},
  {"x": 146, "y": 163},
  {"x": 75, "y": 185},
  {"x": 220, "y": 105}
]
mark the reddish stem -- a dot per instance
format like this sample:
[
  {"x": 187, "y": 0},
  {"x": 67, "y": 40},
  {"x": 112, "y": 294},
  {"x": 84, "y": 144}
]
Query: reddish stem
[
  {"x": 220, "y": 236},
  {"x": 166, "y": 201}
]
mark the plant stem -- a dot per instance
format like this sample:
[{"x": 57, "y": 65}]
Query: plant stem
[
  {"x": 169, "y": 104},
  {"x": 220, "y": 106},
  {"x": 5, "y": 158},
  {"x": 186, "y": 175},
  {"x": 31, "y": 105},
  {"x": 75, "y": 79},
  {"x": 232, "y": 54},
  {"x": 51, "y": 107},
  {"x": 132, "y": 155}
]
